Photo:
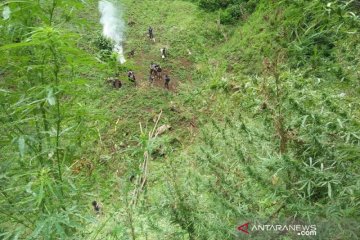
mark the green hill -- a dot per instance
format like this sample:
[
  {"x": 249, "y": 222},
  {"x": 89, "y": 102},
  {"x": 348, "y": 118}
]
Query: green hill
[{"x": 260, "y": 124}]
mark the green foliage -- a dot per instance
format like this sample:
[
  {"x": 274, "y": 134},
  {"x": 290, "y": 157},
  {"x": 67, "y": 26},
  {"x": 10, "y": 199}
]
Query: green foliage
[
  {"x": 212, "y": 5},
  {"x": 105, "y": 47},
  {"x": 39, "y": 198},
  {"x": 230, "y": 11},
  {"x": 264, "y": 118}
]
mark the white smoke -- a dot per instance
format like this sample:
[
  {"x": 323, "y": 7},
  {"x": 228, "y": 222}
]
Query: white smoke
[
  {"x": 113, "y": 26},
  {"x": 6, "y": 13}
]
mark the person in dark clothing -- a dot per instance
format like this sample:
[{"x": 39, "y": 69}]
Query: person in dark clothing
[
  {"x": 117, "y": 83},
  {"x": 131, "y": 77},
  {"x": 158, "y": 72},
  {"x": 132, "y": 53},
  {"x": 96, "y": 207},
  {"x": 150, "y": 32},
  {"x": 167, "y": 80},
  {"x": 153, "y": 68},
  {"x": 163, "y": 53},
  {"x": 151, "y": 78}
]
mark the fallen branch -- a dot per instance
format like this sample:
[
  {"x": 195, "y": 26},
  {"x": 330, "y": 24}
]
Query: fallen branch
[{"x": 141, "y": 180}]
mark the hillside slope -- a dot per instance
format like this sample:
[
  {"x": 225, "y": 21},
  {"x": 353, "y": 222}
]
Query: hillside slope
[{"x": 263, "y": 109}]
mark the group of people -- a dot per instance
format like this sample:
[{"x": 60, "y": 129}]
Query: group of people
[
  {"x": 156, "y": 73},
  {"x": 155, "y": 69}
]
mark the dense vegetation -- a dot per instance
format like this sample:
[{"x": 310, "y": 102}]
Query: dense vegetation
[{"x": 263, "y": 108}]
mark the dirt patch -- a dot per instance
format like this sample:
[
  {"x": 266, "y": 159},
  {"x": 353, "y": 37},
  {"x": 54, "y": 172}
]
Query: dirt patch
[{"x": 173, "y": 66}]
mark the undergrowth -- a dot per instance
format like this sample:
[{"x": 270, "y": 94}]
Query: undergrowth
[{"x": 263, "y": 113}]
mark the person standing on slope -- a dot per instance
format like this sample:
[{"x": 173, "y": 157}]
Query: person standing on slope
[
  {"x": 151, "y": 34},
  {"x": 163, "y": 53},
  {"x": 131, "y": 76},
  {"x": 167, "y": 80}
]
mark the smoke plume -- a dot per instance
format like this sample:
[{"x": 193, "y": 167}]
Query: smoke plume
[
  {"x": 6, "y": 13},
  {"x": 113, "y": 26}
]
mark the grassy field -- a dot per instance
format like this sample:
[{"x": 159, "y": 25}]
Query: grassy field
[
  {"x": 120, "y": 141},
  {"x": 263, "y": 116}
]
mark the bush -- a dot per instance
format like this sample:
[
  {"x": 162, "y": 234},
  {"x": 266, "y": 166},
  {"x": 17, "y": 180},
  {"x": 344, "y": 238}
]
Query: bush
[
  {"x": 231, "y": 14},
  {"x": 103, "y": 43},
  {"x": 213, "y": 5},
  {"x": 230, "y": 10},
  {"x": 105, "y": 47}
]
